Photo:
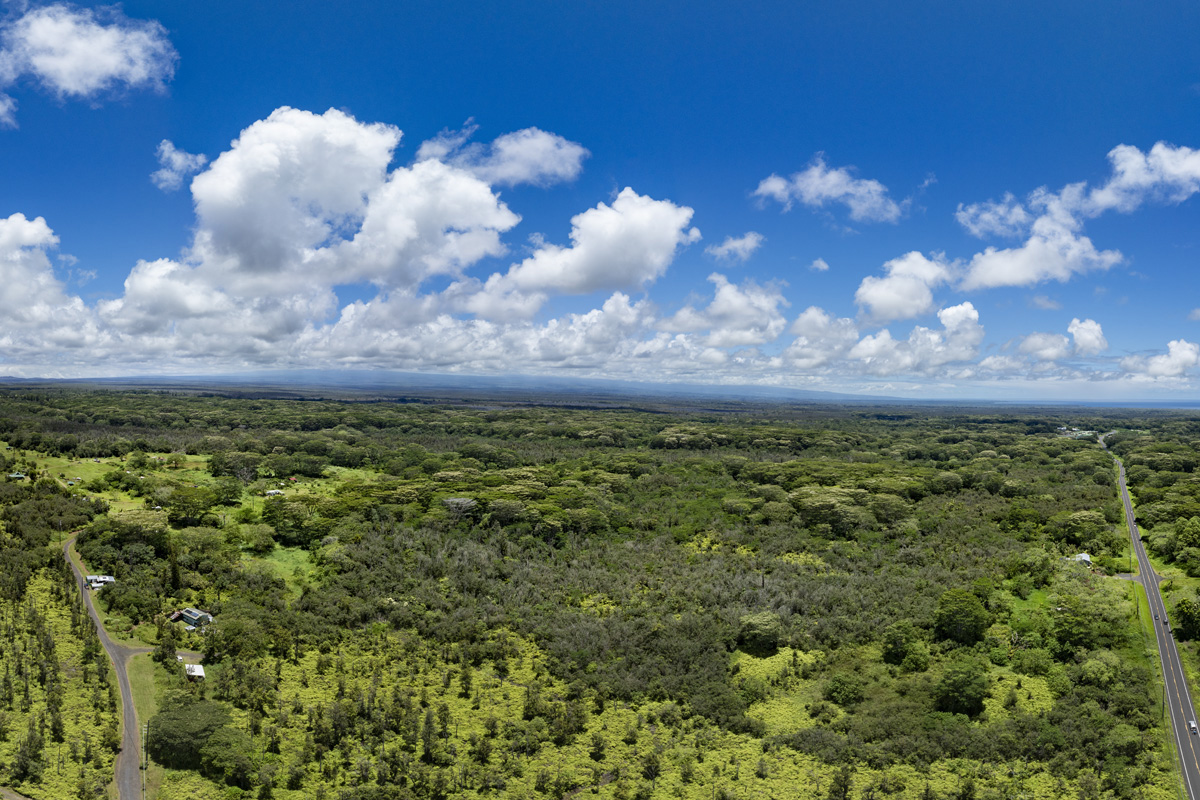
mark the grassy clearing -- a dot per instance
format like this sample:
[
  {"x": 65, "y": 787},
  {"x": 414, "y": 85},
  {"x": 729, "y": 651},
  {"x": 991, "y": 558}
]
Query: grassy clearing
[
  {"x": 142, "y": 672},
  {"x": 1028, "y": 693},
  {"x": 786, "y": 710},
  {"x": 141, "y": 680},
  {"x": 1128, "y": 557},
  {"x": 293, "y": 564},
  {"x": 1038, "y": 599},
  {"x": 75, "y": 470},
  {"x": 177, "y": 784}
]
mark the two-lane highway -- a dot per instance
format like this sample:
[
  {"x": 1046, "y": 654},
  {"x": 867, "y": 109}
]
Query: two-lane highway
[{"x": 1178, "y": 696}]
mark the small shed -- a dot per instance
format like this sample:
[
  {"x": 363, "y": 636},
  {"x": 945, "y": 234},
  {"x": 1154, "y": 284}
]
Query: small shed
[{"x": 194, "y": 672}]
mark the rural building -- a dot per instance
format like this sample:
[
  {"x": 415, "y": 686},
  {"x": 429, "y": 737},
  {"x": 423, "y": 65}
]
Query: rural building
[
  {"x": 192, "y": 617},
  {"x": 194, "y": 672}
]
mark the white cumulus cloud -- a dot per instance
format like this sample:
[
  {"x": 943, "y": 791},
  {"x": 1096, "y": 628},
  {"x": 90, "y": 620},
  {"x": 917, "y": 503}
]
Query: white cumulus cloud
[
  {"x": 738, "y": 316},
  {"x": 1086, "y": 339},
  {"x": 530, "y": 155},
  {"x": 1181, "y": 356},
  {"x": 174, "y": 166},
  {"x": 424, "y": 220},
  {"x": 1167, "y": 174},
  {"x": 83, "y": 53},
  {"x": 1088, "y": 336},
  {"x": 906, "y": 290},
  {"x": 289, "y": 183},
  {"x": 625, "y": 245},
  {"x": 991, "y": 218},
  {"x": 821, "y": 339},
  {"x": 739, "y": 249},
  {"x": 303, "y": 203},
  {"x": 40, "y": 317},
  {"x": 1055, "y": 247},
  {"x": 26, "y": 276},
  {"x": 1055, "y": 250},
  {"x": 1046, "y": 346},
  {"x": 818, "y": 186},
  {"x": 925, "y": 350},
  {"x": 299, "y": 204}
]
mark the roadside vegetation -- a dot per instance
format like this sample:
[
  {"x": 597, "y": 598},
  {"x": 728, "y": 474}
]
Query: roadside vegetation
[
  {"x": 417, "y": 600},
  {"x": 58, "y": 703},
  {"x": 1161, "y": 460}
]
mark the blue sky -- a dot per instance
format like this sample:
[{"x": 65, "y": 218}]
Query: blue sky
[{"x": 935, "y": 200}]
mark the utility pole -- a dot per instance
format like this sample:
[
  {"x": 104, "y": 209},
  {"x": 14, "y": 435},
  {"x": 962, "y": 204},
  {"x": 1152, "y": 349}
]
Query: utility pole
[{"x": 145, "y": 763}]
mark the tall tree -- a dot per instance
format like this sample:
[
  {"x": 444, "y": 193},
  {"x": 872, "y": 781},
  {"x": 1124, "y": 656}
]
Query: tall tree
[{"x": 960, "y": 617}]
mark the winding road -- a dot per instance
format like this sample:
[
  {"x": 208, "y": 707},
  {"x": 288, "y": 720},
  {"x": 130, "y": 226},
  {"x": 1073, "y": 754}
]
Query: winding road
[
  {"x": 1178, "y": 696},
  {"x": 128, "y": 774}
]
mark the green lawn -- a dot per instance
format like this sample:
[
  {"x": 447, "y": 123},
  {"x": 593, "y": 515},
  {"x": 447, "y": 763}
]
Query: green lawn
[
  {"x": 1037, "y": 599},
  {"x": 142, "y": 673}
]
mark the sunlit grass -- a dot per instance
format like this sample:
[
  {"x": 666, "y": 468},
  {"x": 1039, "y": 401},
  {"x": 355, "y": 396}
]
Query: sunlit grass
[{"x": 293, "y": 564}]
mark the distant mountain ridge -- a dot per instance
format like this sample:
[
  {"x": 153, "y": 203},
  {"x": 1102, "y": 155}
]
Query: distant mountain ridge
[
  {"x": 393, "y": 383},
  {"x": 557, "y": 390}
]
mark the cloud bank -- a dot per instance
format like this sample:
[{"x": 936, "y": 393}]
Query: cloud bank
[{"x": 303, "y": 205}]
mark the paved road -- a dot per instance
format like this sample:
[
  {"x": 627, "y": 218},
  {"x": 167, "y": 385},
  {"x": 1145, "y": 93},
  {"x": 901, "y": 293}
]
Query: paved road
[
  {"x": 128, "y": 774},
  {"x": 1179, "y": 697}
]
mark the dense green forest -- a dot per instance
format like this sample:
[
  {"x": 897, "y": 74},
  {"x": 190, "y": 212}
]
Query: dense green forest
[{"x": 488, "y": 599}]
